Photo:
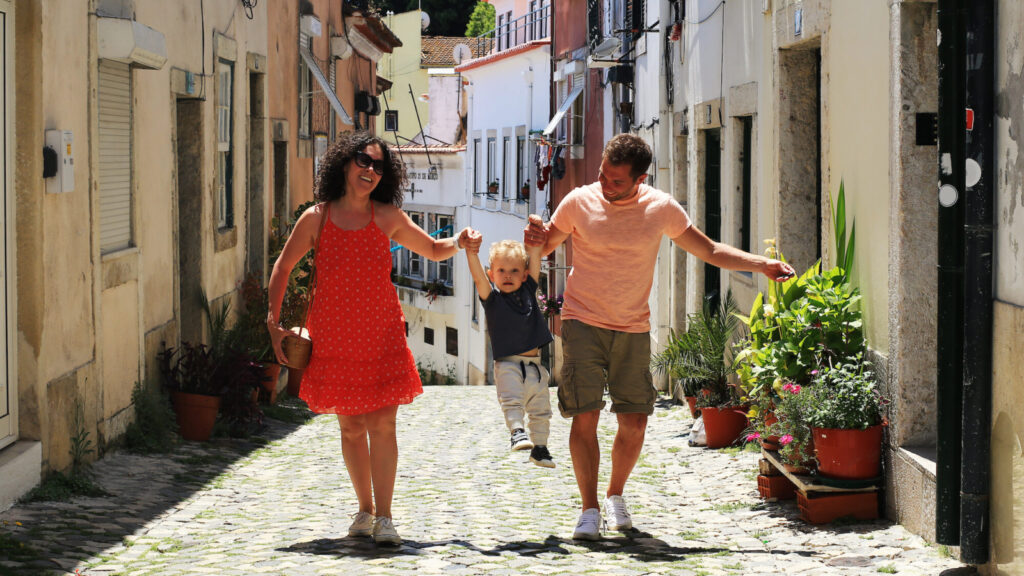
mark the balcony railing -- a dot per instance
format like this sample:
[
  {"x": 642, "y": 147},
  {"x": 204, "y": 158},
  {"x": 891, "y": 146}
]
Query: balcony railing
[{"x": 532, "y": 26}]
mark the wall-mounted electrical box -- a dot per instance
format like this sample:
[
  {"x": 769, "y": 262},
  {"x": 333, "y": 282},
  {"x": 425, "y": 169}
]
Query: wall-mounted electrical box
[{"x": 62, "y": 143}]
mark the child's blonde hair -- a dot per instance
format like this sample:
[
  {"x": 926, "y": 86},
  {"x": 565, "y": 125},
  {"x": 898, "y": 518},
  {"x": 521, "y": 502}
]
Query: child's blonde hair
[{"x": 509, "y": 249}]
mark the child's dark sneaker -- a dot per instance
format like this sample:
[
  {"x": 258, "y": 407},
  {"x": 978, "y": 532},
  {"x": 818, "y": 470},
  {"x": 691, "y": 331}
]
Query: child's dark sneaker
[
  {"x": 541, "y": 457},
  {"x": 520, "y": 441}
]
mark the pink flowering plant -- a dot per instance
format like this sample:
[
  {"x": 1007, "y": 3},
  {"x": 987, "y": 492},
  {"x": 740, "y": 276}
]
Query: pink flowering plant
[{"x": 550, "y": 305}]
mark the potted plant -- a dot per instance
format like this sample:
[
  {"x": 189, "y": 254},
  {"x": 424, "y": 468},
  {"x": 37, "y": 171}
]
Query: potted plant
[
  {"x": 524, "y": 191},
  {"x": 670, "y": 360},
  {"x": 436, "y": 288},
  {"x": 492, "y": 187},
  {"x": 844, "y": 413},
  {"x": 251, "y": 328},
  {"x": 550, "y": 305},
  {"x": 205, "y": 380},
  {"x": 703, "y": 355}
]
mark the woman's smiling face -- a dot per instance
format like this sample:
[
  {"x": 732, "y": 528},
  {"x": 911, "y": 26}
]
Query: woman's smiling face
[{"x": 362, "y": 180}]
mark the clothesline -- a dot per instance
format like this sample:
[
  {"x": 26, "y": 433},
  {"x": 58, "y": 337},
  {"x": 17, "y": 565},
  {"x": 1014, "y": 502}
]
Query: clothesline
[{"x": 434, "y": 234}]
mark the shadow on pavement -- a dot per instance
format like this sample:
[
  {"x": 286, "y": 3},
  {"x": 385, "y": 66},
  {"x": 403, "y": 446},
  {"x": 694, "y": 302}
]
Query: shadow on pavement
[
  {"x": 56, "y": 536},
  {"x": 639, "y": 545}
]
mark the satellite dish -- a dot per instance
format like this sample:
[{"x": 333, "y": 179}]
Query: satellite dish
[
  {"x": 424, "y": 20},
  {"x": 605, "y": 48},
  {"x": 460, "y": 53}
]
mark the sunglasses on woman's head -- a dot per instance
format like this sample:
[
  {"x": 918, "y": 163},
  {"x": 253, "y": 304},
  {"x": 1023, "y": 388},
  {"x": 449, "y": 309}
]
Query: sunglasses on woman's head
[{"x": 364, "y": 160}]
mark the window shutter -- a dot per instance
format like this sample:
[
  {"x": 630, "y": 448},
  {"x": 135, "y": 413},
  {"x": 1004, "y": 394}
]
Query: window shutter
[{"x": 115, "y": 145}]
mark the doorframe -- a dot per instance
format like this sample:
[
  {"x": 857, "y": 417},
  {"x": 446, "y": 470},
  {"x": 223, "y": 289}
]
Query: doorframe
[{"x": 10, "y": 272}]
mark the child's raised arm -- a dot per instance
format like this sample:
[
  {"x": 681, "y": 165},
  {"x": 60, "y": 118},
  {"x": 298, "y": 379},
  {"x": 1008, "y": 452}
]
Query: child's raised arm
[
  {"x": 483, "y": 283},
  {"x": 534, "y": 252}
]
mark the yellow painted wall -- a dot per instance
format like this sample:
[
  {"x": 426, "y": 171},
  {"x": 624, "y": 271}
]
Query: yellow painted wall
[
  {"x": 403, "y": 68},
  {"x": 1007, "y": 432},
  {"x": 67, "y": 255},
  {"x": 857, "y": 54},
  {"x": 84, "y": 316}
]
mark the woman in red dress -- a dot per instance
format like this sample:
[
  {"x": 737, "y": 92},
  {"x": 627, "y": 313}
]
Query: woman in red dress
[{"x": 361, "y": 368}]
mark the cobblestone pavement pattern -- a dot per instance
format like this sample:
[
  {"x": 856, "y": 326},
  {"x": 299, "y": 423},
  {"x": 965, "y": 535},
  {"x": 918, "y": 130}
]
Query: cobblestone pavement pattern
[{"x": 464, "y": 505}]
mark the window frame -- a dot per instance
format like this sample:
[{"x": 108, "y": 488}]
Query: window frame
[{"x": 224, "y": 106}]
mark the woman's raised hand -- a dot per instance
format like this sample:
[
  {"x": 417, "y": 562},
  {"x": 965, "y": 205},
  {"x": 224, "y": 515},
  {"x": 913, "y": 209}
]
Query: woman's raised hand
[{"x": 470, "y": 240}]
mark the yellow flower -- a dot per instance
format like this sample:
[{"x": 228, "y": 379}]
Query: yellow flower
[
  {"x": 777, "y": 385},
  {"x": 17, "y": 523},
  {"x": 753, "y": 412}
]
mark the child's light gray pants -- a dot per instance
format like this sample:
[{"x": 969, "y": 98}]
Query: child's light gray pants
[{"x": 522, "y": 387}]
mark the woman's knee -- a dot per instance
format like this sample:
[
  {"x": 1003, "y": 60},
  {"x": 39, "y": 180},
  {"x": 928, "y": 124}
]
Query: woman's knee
[{"x": 352, "y": 426}]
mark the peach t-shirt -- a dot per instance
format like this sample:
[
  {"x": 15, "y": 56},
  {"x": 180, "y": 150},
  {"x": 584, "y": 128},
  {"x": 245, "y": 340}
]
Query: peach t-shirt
[{"x": 615, "y": 247}]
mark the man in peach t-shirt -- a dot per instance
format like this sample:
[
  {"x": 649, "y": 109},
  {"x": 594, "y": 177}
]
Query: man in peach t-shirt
[{"x": 616, "y": 225}]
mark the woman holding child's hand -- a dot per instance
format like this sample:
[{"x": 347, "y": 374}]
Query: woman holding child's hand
[{"x": 361, "y": 368}]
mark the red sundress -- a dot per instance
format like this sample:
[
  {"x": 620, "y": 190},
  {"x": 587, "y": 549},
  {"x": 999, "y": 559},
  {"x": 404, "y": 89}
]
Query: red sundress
[{"x": 361, "y": 361}]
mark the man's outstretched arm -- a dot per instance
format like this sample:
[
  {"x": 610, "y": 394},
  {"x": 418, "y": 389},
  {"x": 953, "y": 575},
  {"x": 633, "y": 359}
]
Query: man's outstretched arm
[{"x": 724, "y": 256}]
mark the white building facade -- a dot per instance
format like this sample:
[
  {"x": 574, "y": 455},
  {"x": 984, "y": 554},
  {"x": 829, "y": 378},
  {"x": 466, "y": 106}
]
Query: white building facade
[{"x": 508, "y": 108}]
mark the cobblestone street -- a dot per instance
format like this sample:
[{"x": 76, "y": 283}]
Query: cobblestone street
[{"x": 464, "y": 505}]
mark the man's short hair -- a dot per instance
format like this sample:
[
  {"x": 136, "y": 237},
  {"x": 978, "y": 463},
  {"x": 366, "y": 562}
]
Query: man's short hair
[
  {"x": 629, "y": 149},
  {"x": 509, "y": 250}
]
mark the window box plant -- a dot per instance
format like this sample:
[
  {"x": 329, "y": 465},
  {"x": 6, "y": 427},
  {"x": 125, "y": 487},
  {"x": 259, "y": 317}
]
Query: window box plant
[{"x": 492, "y": 187}]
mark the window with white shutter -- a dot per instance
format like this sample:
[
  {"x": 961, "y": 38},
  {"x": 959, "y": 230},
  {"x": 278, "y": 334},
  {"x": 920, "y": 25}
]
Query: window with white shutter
[
  {"x": 115, "y": 146},
  {"x": 225, "y": 196}
]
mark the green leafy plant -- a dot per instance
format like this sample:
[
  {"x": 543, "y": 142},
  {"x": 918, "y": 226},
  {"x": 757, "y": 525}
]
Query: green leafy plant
[
  {"x": 293, "y": 306},
  {"x": 846, "y": 397},
  {"x": 154, "y": 429},
  {"x": 701, "y": 358},
  {"x": 844, "y": 247},
  {"x": 78, "y": 481},
  {"x": 250, "y": 326}
]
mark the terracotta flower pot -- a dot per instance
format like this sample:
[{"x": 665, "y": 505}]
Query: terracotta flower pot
[
  {"x": 770, "y": 442},
  {"x": 196, "y": 414},
  {"x": 723, "y": 426},
  {"x": 271, "y": 375},
  {"x": 849, "y": 454},
  {"x": 294, "y": 381},
  {"x": 691, "y": 402}
]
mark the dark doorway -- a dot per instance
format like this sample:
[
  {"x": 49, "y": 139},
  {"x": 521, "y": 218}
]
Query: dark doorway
[
  {"x": 281, "y": 185},
  {"x": 190, "y": 170},
  {"x": 712, "y": 210}
]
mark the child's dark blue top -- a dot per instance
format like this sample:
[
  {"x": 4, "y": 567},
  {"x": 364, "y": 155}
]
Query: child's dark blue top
[{"x": 514, "y": 320}]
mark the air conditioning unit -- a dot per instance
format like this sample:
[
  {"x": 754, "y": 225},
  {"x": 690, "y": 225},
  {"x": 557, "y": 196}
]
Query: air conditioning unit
[{"x": 621, "y": 74}]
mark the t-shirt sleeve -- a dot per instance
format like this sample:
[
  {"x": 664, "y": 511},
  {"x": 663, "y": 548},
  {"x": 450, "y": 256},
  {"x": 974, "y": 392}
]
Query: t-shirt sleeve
[
  {"x": 564, "y": 217},
  {"x": 675, "y": 219}
]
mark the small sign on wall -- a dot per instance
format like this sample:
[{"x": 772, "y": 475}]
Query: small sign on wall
[{"x": 798, "y": 21}]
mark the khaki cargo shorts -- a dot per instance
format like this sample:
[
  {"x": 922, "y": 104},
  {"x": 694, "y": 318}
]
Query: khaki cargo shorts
[{"x": 598, "y": 358}]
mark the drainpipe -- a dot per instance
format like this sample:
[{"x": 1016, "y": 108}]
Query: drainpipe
[
  {"x": 979, "y": 212},
  {"x": 950, "y": 319}
]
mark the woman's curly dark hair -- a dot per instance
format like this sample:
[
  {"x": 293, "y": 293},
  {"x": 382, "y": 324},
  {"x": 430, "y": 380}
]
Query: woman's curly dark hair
[{"x": 330, "y": 178}]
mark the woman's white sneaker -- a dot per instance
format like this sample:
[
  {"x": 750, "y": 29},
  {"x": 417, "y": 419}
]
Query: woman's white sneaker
[
  {"x": 589, "y": 525},
  {"x": 384, "y": 532},
  {"x": 362, "y": 524},
  {"x": 618, "y": 515}
]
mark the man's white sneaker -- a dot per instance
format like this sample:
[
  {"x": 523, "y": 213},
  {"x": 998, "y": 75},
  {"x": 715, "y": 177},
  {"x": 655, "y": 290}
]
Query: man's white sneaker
[
  {"x": 384, "y": 532},
  {"x": 589, "y": 525},
  {"x": 362, "y": 524},
  {"x": 618, "y": 515}
]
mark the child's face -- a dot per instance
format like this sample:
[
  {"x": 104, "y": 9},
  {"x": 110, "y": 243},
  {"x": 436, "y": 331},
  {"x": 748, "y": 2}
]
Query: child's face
[{"x": 508, "y": 274}]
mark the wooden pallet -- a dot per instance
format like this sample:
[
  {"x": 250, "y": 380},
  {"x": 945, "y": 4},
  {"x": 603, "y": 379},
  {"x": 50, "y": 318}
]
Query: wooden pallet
[
  {"x": 820, "y": 503},
  {"x": 804, "y": 482}
]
